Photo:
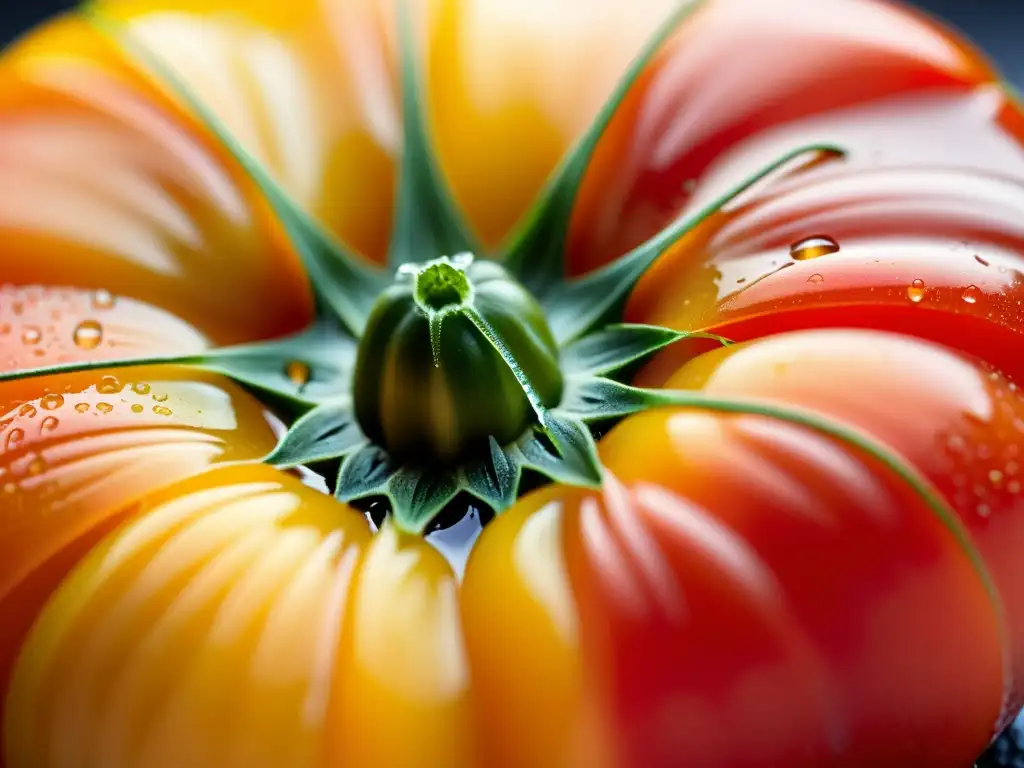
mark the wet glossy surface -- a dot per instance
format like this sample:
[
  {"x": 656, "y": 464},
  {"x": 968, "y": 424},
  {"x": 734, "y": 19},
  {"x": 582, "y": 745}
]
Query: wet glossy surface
[
  {"x": 960, "y": 424},
  {"x": 743, "y": 84},
  {"x": 927, "y": 247},
  {"x": 176, "y": 641},
  {"x": 783, "y": 596},
  {"x": 78, "y": 451},
  {"x": 105, "y": 188},
  {"x": 43, "y": 326},
  {"x": 731, "y": 557}
]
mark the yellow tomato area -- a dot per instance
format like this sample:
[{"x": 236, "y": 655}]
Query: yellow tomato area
[
  {"x": 521, "y": 626},
  {"x": 246, "y": 620},
  {"x": 513, "y": 85},
  {"x": 307, "y": 87},
  {"x": 78, "y": 451},
  {"x": 311, "y": 90},
  {"x": 203, "y": 634},
  {"x": 401, "y": 685}
]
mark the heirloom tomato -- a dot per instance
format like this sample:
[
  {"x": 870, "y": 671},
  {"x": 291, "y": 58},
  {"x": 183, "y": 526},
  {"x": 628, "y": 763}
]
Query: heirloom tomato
[{"x": 508, "y": 383}]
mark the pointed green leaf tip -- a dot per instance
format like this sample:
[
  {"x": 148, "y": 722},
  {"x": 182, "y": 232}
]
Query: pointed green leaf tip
[
  {"x": 617, "y": 346},
  {"x": 326, "y": 432},
  {"x": 536, "y": 253},
  {"x": 577, "y": 306},
  {"x": 427, "y": 223}
]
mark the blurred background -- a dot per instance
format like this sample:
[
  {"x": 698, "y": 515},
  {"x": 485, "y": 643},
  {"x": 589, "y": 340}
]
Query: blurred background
[{"x": 997, "y": 26}]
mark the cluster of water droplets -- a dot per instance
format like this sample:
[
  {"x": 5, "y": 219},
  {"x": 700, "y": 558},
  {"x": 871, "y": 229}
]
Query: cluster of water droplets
[
  {"x": 984, "y": 456},
  {"x": 37, "y": 318},
  {"x": 30, "y": 426},
  {"x": 817, "y": 246}
]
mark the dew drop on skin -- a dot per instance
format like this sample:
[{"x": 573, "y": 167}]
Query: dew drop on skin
[{"x": 813, "y": 248}]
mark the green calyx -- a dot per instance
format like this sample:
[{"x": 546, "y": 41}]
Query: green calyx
[
  {"x": 441, "y": 285},
  {"x": 454, "y": 354},
  {"x": 443, "y": 375}
]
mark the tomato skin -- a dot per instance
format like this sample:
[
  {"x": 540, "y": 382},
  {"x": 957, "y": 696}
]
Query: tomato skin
[
  {"x": 521, "y": 625},
  {"x": 79, "y": 452},
  {"x": 108, "y": 186},
  {"x": 236, "y": 618},
  {"x": 741, "y": 84},
  {"x": 784, "y": 597},
  {"x": 949, "y": 270},
  {"x": 958, "y": 423},
  {"x": 752, "y": 592}
]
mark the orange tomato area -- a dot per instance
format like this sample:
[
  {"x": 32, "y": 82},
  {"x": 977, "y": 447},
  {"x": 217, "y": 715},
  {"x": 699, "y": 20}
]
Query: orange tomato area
[
  {"x": 78, "y": 451},
  {"x": 107, "y": 187},
  {"x": 308, "y": 88}
]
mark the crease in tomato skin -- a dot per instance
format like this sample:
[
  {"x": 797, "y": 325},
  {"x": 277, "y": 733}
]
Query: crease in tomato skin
[
  {"x": 964, "y": 436},
  {"x": 197, "y": 202},
  {"x": 253, "y": 510},
  {"x": 645, "y": 466},
  {"x": 79, "y": 453},
  {"x": 667, "y": 164}
]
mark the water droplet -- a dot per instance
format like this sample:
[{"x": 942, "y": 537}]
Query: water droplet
[
  {"x": 27, "y": 410},
  {"x": 10, "y": 488},
  {"x": 137, "y": 408},
  {"x": 88, "y": 334},
  {"x": 971, "y": 294},
  {"x": 49, "y": 424},
  {"x": 816, "y": 278},
  {"x": 984, "y": 510},
  {"x": 160, "y": 398},
  {"x": 108, "y": 385},
  {"x": 689, "y": 186},
  {"x": 52, "y": 402},
  {"x": 37, "y": 466},
  {"x": 980, "y": 260},
  {"x": 297, "y": 373},
  {"x": 995, "y": 477},
  {"x": 103, "y": 299},
  {"x": 5, "y": 328},
  {"x": 14, "y": 439},
  {"x": 915, "y": 291},
  {"x": 31, "y": 334},
  {"x": 162, "y": 410},
  {"x": 813, "y": 247},
  {"x": 82, "y": 407},
  {"x": 140, "y": 388},
  {"x": 1013, "y": 486},
  {"x": 104, "y": 407}
]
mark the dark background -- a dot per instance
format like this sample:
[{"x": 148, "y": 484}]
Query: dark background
[{"x": 997, "y": 26}]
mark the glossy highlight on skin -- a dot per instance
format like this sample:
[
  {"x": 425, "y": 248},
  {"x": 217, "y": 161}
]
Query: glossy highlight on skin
[{"x": 743, "y": 591}]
